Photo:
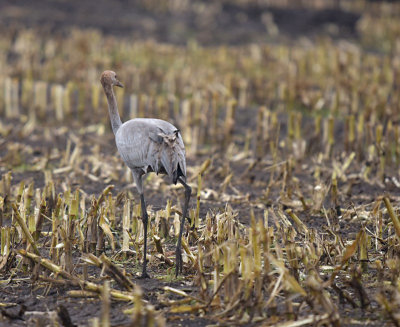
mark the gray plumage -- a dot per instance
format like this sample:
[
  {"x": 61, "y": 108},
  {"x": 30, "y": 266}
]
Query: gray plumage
[
  {"x": 152, "y": 145},
  {"x": 148, "y": 145}
]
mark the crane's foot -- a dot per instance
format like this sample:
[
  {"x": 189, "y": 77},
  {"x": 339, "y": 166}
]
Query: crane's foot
[
  {"x": 144, "y": 271},
  {"x": 144, "y": 275},
  {"x": 179, "y": 262}
]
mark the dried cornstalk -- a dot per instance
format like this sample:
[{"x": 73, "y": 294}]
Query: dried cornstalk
[
  {"x": 24, "y": 228},
  {"x": 105, "y": 304},
  {"x": 86, "y": 285},
  {"x": 116, "y": 273},
  {"x": 393, "y": 216}
]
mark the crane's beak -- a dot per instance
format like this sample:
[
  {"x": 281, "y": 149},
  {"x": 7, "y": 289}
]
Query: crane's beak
[{"x": 119, "y": 84}]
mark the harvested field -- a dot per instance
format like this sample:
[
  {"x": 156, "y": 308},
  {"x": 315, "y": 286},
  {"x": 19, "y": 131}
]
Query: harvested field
[{"x": 293, "y": 150}]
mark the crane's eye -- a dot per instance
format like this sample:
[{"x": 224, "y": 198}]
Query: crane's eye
[{"x": 115, "y": 76}]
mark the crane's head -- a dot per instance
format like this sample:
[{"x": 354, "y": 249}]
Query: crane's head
[{"x": 108, "y": 77}]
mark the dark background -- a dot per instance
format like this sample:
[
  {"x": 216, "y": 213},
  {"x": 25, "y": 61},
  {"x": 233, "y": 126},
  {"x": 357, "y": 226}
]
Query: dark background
[{"x": 207, "y": 22}]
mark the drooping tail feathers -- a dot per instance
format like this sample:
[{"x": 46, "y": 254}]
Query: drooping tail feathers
[{"x": 171, "y": 155}]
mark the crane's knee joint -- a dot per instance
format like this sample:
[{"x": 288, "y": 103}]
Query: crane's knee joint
[{"x": 188, "y": 190}]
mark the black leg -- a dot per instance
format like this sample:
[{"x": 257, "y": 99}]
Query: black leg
[
  {"x": 145, "y": 220},
  {"x": 188, "y": 192}
]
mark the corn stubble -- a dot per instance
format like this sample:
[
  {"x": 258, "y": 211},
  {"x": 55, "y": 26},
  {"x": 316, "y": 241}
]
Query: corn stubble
[{"x": 293, "y": 248}]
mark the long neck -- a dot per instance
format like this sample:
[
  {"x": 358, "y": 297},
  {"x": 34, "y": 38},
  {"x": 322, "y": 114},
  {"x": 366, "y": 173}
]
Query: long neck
[{"x": 112, "y": 108}]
